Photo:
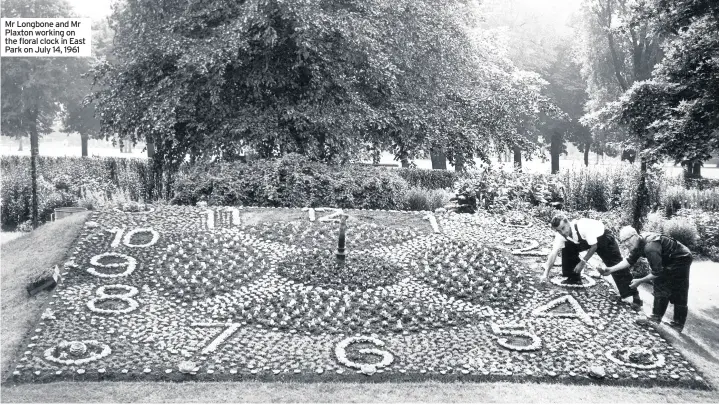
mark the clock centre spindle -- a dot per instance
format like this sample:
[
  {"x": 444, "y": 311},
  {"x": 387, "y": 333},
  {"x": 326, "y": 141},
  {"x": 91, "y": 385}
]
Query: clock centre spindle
[{"x": 341, "y": 243}]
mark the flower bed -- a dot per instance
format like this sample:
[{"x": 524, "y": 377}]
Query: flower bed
[{"x": 179, "y": 300}]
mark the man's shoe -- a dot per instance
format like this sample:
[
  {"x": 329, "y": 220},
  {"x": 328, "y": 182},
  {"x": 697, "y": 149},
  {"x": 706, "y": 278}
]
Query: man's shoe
[
  {"x": 637, "y": 305},
  {"x": 676, "y": 326},
  {"x": 573, "y": 281},
  {"x": 648, "y": 322}
]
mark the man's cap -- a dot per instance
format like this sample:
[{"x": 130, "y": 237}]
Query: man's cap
[{"x": 627, "y": 232}]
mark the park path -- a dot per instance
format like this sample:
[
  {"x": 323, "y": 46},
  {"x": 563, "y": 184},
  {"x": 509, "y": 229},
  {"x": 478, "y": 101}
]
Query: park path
[{"x": 701, "y": 332}]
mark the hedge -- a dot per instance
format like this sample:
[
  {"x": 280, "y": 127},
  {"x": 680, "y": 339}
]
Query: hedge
[
  {"x": 428, "y": 178},
  {"x": 291, "y": 181}
]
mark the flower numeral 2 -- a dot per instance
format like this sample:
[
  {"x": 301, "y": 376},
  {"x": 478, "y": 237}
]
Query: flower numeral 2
[
  {"x": 516, "y": 331},
  {"x": 126, "y": 297}
]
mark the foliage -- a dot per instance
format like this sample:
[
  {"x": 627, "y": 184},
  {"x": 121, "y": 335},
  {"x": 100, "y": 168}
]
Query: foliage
[
  {"x": 618, "y": 48},
  {"x": 430, "y": 179},
  {"x": 676, "y": 198},
  {"x": 682, "y": 230},
  {"x": 291, "y": 181},
  {"x": 707, "y": 225},
  {"x": 66, "y": 181},
  {"x": 671, "y": 113},
  {"x": 496, "y": 190},
  {"x": 422, "y": 199}
]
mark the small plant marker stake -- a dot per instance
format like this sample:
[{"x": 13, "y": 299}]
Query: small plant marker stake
[
  {"x": 341, "y": 242},
  {"x": 433, "y": 222}
]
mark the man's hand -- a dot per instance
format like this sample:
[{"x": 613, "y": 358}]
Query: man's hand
[
  {"x": 634, "y": 284},
  {"x": 543, "y": 277},
  {"x": 579, "y": 267}
]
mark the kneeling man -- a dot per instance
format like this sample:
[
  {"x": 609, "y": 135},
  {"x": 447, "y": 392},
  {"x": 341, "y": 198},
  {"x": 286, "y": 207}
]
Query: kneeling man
[
  {"x": 591, "y": 235},
  {"x": 670, "y": 262}
]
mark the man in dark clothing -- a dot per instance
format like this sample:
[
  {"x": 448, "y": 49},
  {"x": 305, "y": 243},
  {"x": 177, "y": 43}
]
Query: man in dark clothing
[
  {"x": 590, "y": 235},
  {"x": 670, "y": 262}
]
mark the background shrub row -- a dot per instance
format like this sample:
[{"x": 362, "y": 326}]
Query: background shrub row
[
  {"x": 68, "y": 181},
  {"x": 292, "y": 181},
  {"x": 295, "y": 182}
]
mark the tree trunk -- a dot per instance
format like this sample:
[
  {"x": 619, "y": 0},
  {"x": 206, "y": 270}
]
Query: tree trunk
[
  {"x": 83, "y": 140},
  {"x": 517, "y": 157},
  {"x": 439, "y": 159},
  {"x": 555, "y": 146},
  {"x": 150, "y": 148},
  {"x": 34, "y": 152},
  {"x": 458, "y": 162},
  {"x": 641, "y": 203},
  {"x": 376, "y": 154},
  {"x": 19, "y": 148},
  {"x": 586, "y": 154},
  {"x": 696, "y": 169},
  {"x": 692, "y": 169}
]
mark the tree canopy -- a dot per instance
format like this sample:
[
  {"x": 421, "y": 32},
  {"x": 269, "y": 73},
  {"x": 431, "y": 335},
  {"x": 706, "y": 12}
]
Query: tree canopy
[{"x": 319, "y": 78}]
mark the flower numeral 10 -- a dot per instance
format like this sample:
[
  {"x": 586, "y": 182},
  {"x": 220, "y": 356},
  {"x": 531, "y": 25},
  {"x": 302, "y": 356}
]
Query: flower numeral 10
[
  {"x": 127, "y": 239},
  {"x": 516, "y": 331}
]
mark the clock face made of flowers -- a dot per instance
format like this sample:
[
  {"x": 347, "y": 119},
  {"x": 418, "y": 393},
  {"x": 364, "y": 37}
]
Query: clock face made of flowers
[{"x": 225, "y": 293}]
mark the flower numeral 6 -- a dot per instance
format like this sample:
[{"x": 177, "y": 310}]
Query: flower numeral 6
[
  {"x": 516, "y": 331},
  {"x": 125, "y": 297},
  {"x": 341, "y": 354},
  {"x": 127, "y": 240}
]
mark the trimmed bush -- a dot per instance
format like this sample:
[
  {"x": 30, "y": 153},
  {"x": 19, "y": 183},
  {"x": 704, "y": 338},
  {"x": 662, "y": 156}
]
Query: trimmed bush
[
  {"x": 683, "y": 231},
  {"x": 707, "y": 225},
  {"x": 291, "y": 181},
  {"x": 422, "y": 199},
  {"x": 428, "y": 178}
]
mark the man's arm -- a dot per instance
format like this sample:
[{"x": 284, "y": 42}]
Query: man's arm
[
  {"x": 635, "y": 283},
  {"x": 556, "y": 247},
  {"x": 624, "y": 264},
  {"x": 550, "y": 262}
]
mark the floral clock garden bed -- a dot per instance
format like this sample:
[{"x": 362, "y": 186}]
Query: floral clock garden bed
[{"x": 198, "y": 293}]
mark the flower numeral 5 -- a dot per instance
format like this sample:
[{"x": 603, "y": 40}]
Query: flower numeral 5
[{"x": 516, "y": 331}]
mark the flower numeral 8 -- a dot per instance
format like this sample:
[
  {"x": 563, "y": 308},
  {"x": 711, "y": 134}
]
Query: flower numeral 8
[{"x": 126, "y": 297}]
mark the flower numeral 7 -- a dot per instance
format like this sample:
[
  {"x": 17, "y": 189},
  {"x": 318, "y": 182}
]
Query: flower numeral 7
[
  {"x": 230, "y": 328},
  {"x": 516, "y": 331}
]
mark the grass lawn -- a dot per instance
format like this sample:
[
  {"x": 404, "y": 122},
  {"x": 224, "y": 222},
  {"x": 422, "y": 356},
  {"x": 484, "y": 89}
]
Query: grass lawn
[{"x": 38, "y": 251}]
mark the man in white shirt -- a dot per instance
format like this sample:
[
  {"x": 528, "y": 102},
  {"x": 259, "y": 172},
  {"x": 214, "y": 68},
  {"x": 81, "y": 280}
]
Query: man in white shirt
[{"x": 590, "y": 235}]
